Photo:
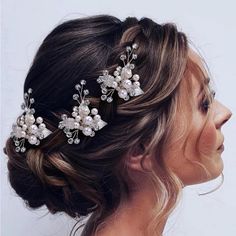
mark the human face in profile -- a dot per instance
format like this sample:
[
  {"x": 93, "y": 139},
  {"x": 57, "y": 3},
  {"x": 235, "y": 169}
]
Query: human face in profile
[{"x": 196, "y": 156}]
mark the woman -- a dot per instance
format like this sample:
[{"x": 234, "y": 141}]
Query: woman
[{"x": 150, "y": 145}]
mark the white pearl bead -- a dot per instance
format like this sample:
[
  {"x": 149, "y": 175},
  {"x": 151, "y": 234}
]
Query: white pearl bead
[
  {"x": 29, "y": 119},
  {"x": 122, "y": 93},
  {"x": 24, "y": 127},
  {"x": 77, "y": 118},
  {"x": 97, "y": 117},
  {"x": 33, "y": 129},
  {"x": 87, "y": 131},
  {"x": 126, "y": 83},
  {"x": 32, "y": 139},
  {"x": 42, "y": 126},
  {"x": 88, "y": 120},
  {"x": 94, "y": 111},
  {"x": 23, "y": 133},
  {"x": 76, "y": 125},
  {"x": 39, "y": 120}
]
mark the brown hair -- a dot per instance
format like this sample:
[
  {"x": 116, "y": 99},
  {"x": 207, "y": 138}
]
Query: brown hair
[{"x": 92, "y": 177}]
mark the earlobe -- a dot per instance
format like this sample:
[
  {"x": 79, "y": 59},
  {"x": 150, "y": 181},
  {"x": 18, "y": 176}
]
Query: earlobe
[{"x": 137, "y": 161}]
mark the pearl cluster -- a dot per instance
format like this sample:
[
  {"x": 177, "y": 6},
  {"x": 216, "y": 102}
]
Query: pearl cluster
[
  {"x": 27, "y": 126},
  {"x": 82, "y": 118},
  {"x": 121, "y": 80}
]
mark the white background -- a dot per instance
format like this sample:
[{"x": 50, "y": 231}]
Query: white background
[{"x": 209, "y": 24}]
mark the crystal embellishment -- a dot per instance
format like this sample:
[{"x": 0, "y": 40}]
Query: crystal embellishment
[
  {"x": 123, "y": 80},
  {"x": 83, "y": 119},
  {"x": 27, "y": 127}
]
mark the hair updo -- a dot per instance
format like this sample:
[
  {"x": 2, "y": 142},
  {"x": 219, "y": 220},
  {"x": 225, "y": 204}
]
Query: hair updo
[{"x": 92, "y": 176}]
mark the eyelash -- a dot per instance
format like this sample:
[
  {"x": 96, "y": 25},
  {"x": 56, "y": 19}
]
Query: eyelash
[{"x": 205, "y": 102}]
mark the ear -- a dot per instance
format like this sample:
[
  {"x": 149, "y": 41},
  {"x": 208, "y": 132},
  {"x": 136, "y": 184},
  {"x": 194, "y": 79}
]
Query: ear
[{"x": 135, "y": 158}]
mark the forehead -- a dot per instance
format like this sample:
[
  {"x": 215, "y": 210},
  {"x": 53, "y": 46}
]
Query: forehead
[{"x": 197, "y": 73}]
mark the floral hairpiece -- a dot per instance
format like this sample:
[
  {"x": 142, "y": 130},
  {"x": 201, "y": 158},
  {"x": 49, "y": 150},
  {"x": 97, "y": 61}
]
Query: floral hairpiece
[
  {"x": 82, "y": 118},
  {"x": 121, "y": 80},
  {"x": 27, "y": 127}
]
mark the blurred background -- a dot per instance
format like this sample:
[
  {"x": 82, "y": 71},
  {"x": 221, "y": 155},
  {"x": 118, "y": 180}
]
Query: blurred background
[{"x": 210, "y": 25}]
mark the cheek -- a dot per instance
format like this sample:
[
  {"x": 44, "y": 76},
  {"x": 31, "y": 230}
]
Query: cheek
[{"x": 208, "y": 139}]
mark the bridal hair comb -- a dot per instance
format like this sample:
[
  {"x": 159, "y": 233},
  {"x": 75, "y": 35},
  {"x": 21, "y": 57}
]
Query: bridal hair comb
[
  {"x": 82, "y": 118},
  {"x": 121, "y": 80},
  {"x": 27, "y": 126}
]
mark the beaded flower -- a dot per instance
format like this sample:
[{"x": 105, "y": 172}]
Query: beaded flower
[
  {"x": 123, "y": 81},
  {"x": 82, "y": 118},
  {"x": 27, "y": 126}
]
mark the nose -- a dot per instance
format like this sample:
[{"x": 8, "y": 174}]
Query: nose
[{"x": 222, "y": 114}]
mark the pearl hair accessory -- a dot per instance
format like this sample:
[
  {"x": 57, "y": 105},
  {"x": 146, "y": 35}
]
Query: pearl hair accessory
[
  {"x": 81, "y": 120},
  {"x": 121, "y": 81},
  {"x": 26, "y": 128}
]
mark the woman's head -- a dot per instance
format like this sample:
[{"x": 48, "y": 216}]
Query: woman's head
[{"x": 100, "y": 172}]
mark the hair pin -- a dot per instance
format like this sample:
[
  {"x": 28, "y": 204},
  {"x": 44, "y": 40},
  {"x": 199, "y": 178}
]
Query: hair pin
[
  {"x": 123, "y": 81},
  {"x": 82, "y": 118},
  {"x": 27, "y": 126}
]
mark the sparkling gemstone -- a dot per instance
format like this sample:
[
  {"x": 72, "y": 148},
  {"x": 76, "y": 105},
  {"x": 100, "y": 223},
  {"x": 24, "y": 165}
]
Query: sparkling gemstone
[
  {"x": 86, "y": 92},
  {"x": 123, "y": 57},
  {"x": 104, "y": 91},
  {"x": 83, "y": 82},
  {"x": 69, "y": 135},
  {"x": 75, "y": 96},
  {"x": 76, "y": 141},
  {"x": 30, "y": 90},
  {"x": 126, "y": 98},
  {"x": 104, "y": 97},
  {"x": 77, "y": 125},
  {"x": 17, "y": 149},
  {"x": 32, "y": 111},
  {"x": 134, "y": 56},
  {"x": 128, "y": 48},
  {"x": 77, "y": 86},
  {"x": 69, "y": 123},
  {"x": 23, "y": 149},
  {"x": 70, "y": 140},
  {"x": 31, "y": 100},
  {"x": 109, "y": 99},
  {"x": 23, "y": 106}
]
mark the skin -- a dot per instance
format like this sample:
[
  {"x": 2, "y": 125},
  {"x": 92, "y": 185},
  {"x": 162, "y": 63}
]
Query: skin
[{"x": 133, "y": 216}]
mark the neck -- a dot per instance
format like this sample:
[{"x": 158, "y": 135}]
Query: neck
[{"x": 132, "y": 217}]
